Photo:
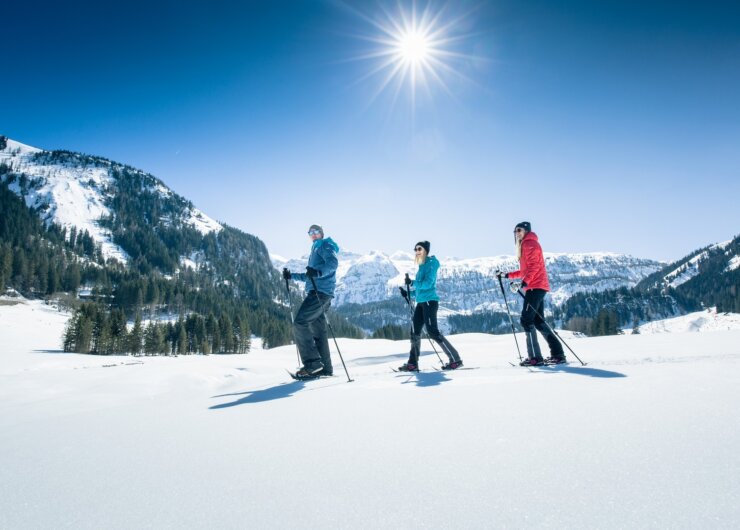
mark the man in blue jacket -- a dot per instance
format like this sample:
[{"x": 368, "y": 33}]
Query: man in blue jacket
[{"x": 309, "y": 325}]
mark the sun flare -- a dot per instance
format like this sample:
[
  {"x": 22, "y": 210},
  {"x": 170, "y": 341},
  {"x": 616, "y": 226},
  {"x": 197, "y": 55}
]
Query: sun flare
[{"x": 414, "y": 49}]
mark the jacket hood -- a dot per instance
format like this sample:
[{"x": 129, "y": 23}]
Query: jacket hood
[{"x": 328, "y": 241}]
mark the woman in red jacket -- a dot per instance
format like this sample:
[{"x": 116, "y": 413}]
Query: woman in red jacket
[{"x": 535, "y": 284}]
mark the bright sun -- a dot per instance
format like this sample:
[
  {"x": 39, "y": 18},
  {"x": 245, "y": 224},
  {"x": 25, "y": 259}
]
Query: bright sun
[{"x": 414, "y": 49}]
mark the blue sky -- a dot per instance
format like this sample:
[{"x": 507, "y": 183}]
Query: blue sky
[{"x": 611, "y": 126}]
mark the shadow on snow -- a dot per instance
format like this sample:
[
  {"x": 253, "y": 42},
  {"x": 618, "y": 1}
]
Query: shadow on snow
[
  {"x": 365, "y": 361},
  {"x": 281, "y": 391},
  {"x": 424, "y": 379},
  {"x": 581, "y": 370}
]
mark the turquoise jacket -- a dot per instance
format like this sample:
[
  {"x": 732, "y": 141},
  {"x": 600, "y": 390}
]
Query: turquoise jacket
[
  {"x": 425, "y": 282},
  {"x": 323, "y": 258}
]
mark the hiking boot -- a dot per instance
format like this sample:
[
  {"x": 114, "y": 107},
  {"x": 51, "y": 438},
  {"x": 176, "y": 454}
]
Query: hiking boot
[
  {"x": 306, "y": 373},
  {"x": 556, "y": 360},
  {"x": 326, "y": 373},
  {"x": 408, "y": 367},
  {"x": 532, "y": 362},
  {"x": 452, "y": 365}
]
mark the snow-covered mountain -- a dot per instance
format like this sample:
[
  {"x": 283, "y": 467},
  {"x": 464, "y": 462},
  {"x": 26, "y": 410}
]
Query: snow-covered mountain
[
  {"x": 689, "y": 268},
  {"x": 75, "y": 223},
  {"x": 74, "y": 190},
  {"x": 470, "y": 285}
]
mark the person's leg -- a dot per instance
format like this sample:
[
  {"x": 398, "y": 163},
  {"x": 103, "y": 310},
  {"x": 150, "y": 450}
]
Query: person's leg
[
  {"x": 321, "y": 337},
  {"x": 527, "y": 319},
  {"x": 417, "y": 323},
  {"x": 309, "y": 311},
  {"x": 430, "y": 321},
  {"x": 556, "y": 349}
]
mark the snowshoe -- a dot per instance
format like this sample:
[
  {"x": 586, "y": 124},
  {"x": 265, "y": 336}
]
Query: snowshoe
[
  {"x": 408, "y": 367},
  {"x": 452, "y": 365},
  {"x": 555, "y": 360},
  {"x": 532, "y": 362},
  {"x": 305, "y": 373}
]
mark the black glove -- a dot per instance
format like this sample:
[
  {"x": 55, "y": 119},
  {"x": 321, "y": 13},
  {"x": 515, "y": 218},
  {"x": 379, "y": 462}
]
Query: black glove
[
  {"x": 407, "y": 280},
  {"x": 501, "y": 274},
  {"x": 312, "y": 273},
  {"x": 286, "y": 274},
  {"x": 404, "y": 293}
]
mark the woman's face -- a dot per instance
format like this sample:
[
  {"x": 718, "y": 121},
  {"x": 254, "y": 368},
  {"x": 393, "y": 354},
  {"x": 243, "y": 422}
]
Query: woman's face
[
  {"x": 520, "y": 233},
  {"x": 419, "y": 252}
]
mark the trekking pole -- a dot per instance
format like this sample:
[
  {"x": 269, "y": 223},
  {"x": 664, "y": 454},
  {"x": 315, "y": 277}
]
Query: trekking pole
[
  {"x": 511, "y": 320},
  {"x": 292, "y": 321},
  {"x": 321, "y": 305},
  {"x": 411, "y": 310},
  {"x": 550, "y": 328}
]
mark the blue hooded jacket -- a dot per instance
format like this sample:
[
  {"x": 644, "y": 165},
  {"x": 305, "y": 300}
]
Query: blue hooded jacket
[
  {"x": 425, "y": 282},
  {"x": 323, "y": 258}
]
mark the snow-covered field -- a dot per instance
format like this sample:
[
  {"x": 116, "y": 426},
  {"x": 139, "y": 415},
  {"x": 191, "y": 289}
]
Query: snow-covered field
[{"x": 645, "y": 436}]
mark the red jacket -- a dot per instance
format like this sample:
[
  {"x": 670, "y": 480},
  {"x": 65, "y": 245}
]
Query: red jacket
[{"x": 532, "y": 264}]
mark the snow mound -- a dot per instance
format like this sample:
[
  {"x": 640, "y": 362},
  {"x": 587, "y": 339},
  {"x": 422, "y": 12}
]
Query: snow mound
[{"x": 700, "y": 321}]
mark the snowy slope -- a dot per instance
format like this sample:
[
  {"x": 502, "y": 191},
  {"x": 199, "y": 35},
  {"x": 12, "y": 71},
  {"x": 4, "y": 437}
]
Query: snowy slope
[
  {"x": 67, "y": 195},
  {"x": 645, "y": 436},
  {"x": 74, "y": 193},
  {"x": 708, "y": 320},
  {"x": 690, "y": 268}
]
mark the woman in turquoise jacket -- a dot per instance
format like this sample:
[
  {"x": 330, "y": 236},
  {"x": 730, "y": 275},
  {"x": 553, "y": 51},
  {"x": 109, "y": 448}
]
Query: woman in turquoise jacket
[{"x": 424, "y": 290}]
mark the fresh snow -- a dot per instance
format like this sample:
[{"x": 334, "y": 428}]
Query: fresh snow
[
  {"x": 708, "y": 320},
  {"x": 202, "y": 223},
  {"x": 645, "y": 436},
  {"x": 734, "y": 263}
]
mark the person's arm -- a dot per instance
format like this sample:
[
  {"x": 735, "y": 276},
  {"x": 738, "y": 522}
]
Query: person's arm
[
  {"x": 329, "y": 256},
  {"x": 429, "y": 277}
]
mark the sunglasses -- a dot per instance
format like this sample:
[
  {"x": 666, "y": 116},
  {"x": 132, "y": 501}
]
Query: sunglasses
[
  {"x": 313, "y": 232},
  {"x": 419, "y": 249},
  {"x": 519, "y": 230}
]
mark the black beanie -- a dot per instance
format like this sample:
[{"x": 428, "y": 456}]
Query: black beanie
[
  {"x": 524, "y": 224},
  {"x": 424, "y": 244}
]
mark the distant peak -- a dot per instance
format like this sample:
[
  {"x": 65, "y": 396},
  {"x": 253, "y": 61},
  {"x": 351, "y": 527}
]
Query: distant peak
[{"x": 11, "y": 146}]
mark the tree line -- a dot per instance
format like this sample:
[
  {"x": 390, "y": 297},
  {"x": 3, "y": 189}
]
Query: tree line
[{"x": 94, "y": 329}]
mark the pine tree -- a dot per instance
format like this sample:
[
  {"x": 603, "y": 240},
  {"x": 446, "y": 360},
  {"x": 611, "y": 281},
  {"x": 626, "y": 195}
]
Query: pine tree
[
  {"x": 182, "y": 338},
  {"x": 151, "y": 346},
  {"x": 6, "y": 266},
  {"x": 243, "y": 335},
  {"x": 214, "y": 333},
  {"x": 118, "y": 332},
  {"x": 227, "y": 333},
  {"x": 135, "y": 337},
  {"x": 102, "y": 343}
]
